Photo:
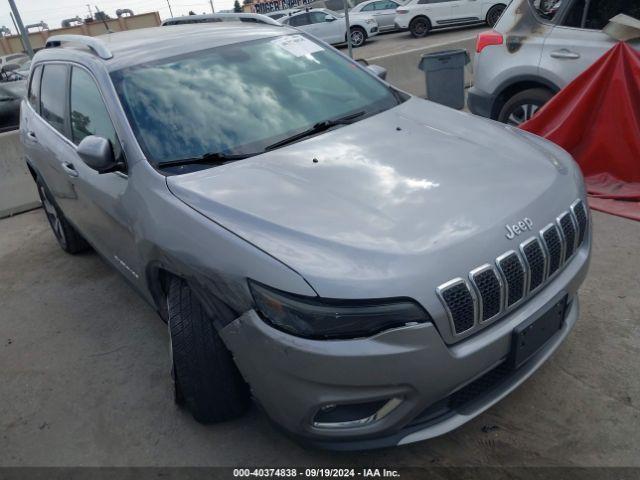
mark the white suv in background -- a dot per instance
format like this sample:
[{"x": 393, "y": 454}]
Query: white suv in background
[
  {"x": 331, "y": 26},
  {"x": 421, "y": 16}
]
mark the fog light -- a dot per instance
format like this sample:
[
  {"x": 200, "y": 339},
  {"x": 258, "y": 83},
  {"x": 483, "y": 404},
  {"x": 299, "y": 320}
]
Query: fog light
[{"x": 354, "y": 414}]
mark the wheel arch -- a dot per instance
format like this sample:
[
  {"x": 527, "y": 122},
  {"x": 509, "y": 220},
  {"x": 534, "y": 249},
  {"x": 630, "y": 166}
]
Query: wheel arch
[
  {"x": 489, "y": 8},
  {"x": 211, "y": 296},
  {"x": 359, "y": 27},
  {"x": 516, "y": 85},
  {"x": 418, "y": 16}
]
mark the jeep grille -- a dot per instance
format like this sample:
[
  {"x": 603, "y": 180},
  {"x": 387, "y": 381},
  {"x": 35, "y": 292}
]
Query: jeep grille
[{"x": 493, "y": 291}]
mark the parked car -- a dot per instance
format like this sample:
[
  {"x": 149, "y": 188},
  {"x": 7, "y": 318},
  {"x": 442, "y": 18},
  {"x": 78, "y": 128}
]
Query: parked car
[
  {"x": 11, "y": 95},
  {"x": 383, "y": 11},
  {"x": 535, "y": 50},
  {"x": 374, "y": 269},
  {"x": 14, "y": 58},
  {"x": 331, "y": 26},
  {"x": 422, "y": 16},
  {"x": 13, "y": 87}
]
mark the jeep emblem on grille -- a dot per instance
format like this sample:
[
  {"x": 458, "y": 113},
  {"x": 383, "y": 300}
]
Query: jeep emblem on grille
[{"x": 517, "y": 228}]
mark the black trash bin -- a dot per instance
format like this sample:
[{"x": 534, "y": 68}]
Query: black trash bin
[{"x": 445, "y": 76}]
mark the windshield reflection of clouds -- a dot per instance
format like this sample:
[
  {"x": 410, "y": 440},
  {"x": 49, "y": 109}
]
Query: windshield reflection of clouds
[
  {"x": 174, "y": 96},
  {"x": 240, "y": 98}
]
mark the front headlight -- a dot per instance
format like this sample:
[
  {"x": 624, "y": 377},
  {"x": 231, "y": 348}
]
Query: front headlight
[{"x": 315, "y": 318}]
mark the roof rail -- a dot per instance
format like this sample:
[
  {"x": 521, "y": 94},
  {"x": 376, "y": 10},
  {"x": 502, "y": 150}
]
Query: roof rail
[
  {"x": 92, "y": 43},
  {"x": 222, "y": 17}
]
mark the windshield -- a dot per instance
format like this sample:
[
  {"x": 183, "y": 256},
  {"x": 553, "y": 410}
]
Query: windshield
[{"x": 241, "y": 98}]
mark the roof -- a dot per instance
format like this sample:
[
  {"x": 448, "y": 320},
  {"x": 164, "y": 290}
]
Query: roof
[{"x": 131, "y": 47}]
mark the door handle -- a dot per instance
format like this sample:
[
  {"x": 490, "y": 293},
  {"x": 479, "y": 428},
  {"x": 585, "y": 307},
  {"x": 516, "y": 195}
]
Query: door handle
[
  {"x": 69, "y": 169},
  {"x": 565, "y": 54},
  {"x": 32, "y": 136}
]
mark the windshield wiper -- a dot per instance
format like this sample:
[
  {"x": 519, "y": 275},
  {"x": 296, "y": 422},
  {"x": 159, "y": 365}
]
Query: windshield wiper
[
  {"x": 216, "y": 158},
  {"x": 317, "y": 128}
]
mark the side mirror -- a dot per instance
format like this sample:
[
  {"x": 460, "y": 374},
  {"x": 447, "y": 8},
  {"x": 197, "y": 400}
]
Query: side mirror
[
  {"x": 97, "y": 153},
  {"x": 379, "y": 71},
  {"x": 329, "y": 18}
]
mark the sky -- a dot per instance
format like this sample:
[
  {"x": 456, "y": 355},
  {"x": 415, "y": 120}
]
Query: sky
[{"x": 54, "y": 11}]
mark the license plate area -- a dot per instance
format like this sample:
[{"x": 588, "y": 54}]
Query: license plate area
[{"x": 532, "y": 335}]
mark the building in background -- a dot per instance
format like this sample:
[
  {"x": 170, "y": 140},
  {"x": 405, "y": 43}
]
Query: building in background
[
  {"x": 269, "y": 6},
  {"x": 125, "y": 20}
]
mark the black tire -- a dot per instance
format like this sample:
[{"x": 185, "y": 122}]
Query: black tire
[
  {"x": 522, "y": 106},
  {"x": 420, "y": 27},
  {"x": 358, "y": 37},
  {"x": 494, "y": 14},
  {"x": 206, "y": 378},
  {"x": 68, "y": 237}
]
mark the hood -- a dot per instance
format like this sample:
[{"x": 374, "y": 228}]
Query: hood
[{"x": 376, "y": 208}]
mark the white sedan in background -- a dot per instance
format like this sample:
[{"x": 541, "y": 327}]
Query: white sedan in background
[
  {"x": 384, "y": 12},
  {"x": 331, "y": 26}
]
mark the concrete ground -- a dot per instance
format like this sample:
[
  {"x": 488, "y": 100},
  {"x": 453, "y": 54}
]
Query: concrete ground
[{"x": 84, "y": 376}]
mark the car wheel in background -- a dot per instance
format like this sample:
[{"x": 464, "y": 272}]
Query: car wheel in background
[
  {"x": 420, "y": 27},
  {"x": 523, "y": 106},
  {"x": 68, "y": 237},
  {"x": 494, "y": 14},
  {"x": 358, "y": 37},
  {"x": 206, "y": 378}
]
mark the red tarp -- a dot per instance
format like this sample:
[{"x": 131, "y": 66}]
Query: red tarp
[{"x": 597, "y": 119}]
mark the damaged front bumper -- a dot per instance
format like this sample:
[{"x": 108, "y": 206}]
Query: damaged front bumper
[{"x": 400, "y": 386}]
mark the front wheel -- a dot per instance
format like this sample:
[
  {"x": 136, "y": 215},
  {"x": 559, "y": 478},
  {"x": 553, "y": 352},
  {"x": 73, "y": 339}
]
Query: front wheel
[
  {"x": 206, "y": 378},
  {"x": 420, "y": 27},
  {"x": 523, "y": 106},
  {"x": 494, "y": 14},
  {"x": 358, "y": 37},
  {"x": 67, "y": 236}
]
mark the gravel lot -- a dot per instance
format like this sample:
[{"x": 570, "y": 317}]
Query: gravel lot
[{"x": 84, "y": 376}]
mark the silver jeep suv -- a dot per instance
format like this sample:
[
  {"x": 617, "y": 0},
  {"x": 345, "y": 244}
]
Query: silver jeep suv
[
  {"x": 373, "y": 269},
  {"x": 537, "y": 48}
]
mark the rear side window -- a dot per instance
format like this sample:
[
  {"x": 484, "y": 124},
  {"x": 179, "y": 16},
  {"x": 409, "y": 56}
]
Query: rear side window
[
  {"x": 300, "y": 20},
  {"x": 89, "y": 114},
  {"x": 34, "y": 88},
  {"x": 575, "y": 14},
  {"x": 53, "y": 98},
  {"x": 601, "y": 11},
  {"x": 317, "y": 17},
  {"x": 546, "y": 9}
]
